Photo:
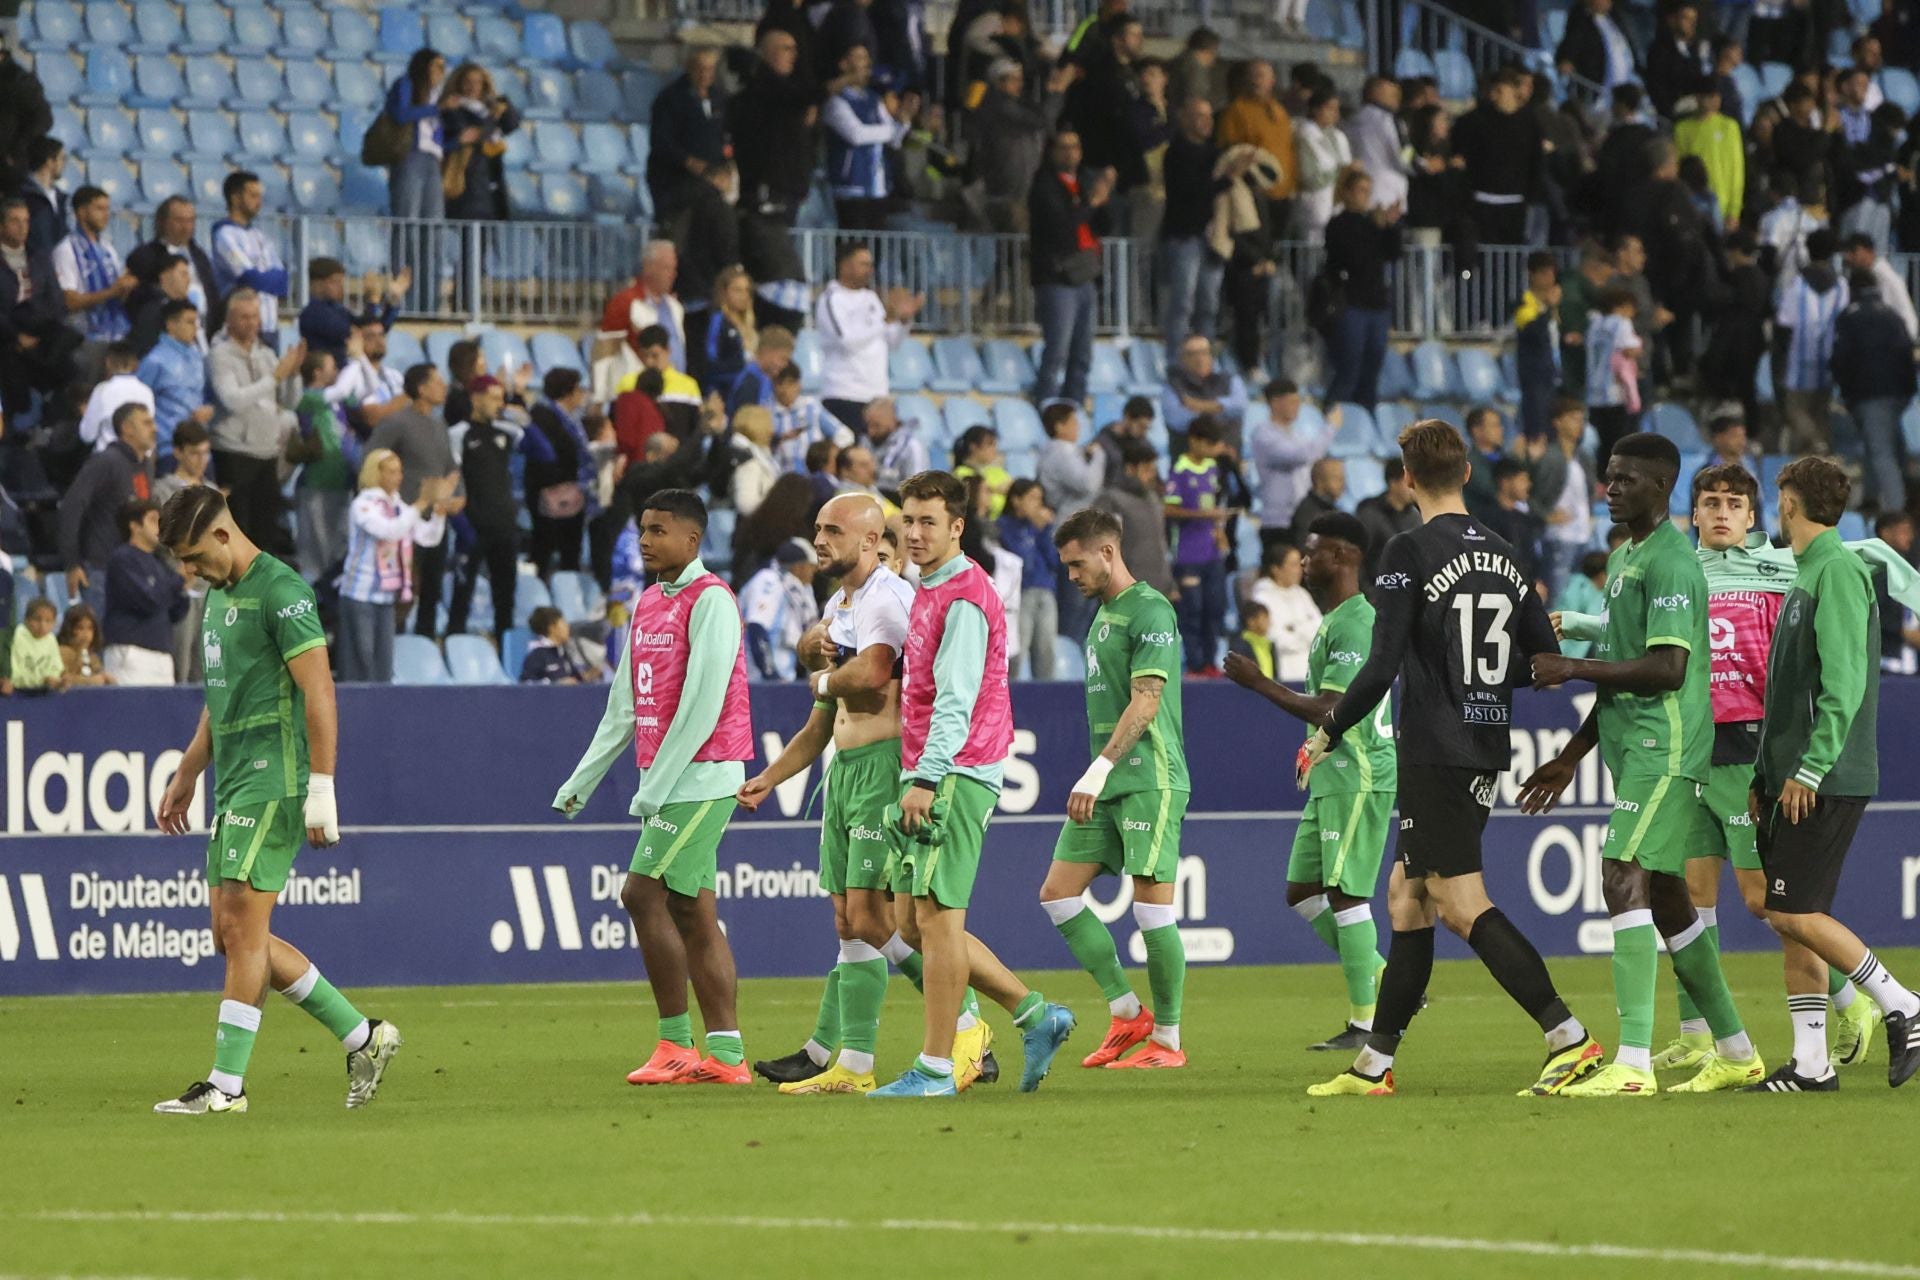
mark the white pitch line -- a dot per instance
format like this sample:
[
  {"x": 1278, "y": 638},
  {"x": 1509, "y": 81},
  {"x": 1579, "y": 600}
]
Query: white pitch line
[{"x": 1121, "y": 1231}]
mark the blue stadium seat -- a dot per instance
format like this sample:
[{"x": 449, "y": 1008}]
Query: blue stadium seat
[
  {"x": 960, "y": 413},
  {"x": 511, "y": 83},
  {"x": 549, "y": 94},
  {"x": 452, "y": 35},
  {"x": 556, "y": 147},
  {"x": 416, "y": 660},
  {"x": 209, "y": 85},
  {"x": 909, "y": 366},
  {"x": 1323, "y": 22},
  {"x": 276, "y": 186},
  {"x": 207, "y": 178},
  {"x": 362, "y": 190},
  {"x": 210, "y": 137},
  {"x": 1774, "y": 78},
  {"x": 604, "y": 147},
  {"x": 1069, "y": 659},
  {"x": 523, "y": 191},
  {"x": 1148, "y": 361},
  {"x": 1853, "y": 527},
  {"x": 1356, "y": 437},
  {"x": 1680, "y": 501},
  {"x": 570, "y": 596},
  {"x": 1366, "y": 478},
  {"x": 1479, "y": 375},
  {"x": 956, "y": 365},
  {"x": 1752, "y": 92},
  {"x": 639, "y": 86},
  {"x": 1510, "y": 376},
  {"x": 1009, "y": 369},
  {"x": 1677, "y": 425},
  {"x": 613, "y": 197},
  {"x": 209, "y": 29},
  {"x": 1412, "y": 63},
  {"x": 1901, "y": 88},
  {"x": 505, "y": 352},
  {"x": 257, "y": 85},
  {"x": 554, "y": 351},
  {"x": 159, "y": 136},
  {"x": 365, "y": 247},
  {"x": 113, "y": 175},
  {"x": 1432, "y": 371},
  {"x": 262, "y": 136},
  {"x": 920, "y": 411},
  {"x": 315, "y": 189},
  {"x": 1390, "y": 418},
  {"x": 161, "y": 179},
  {"x": 308, "y": 84},
  {"x": 591, "y": 44},
  {"x": 545, "y": 37},
  {"x": 1353, "y": 31},
  {"x": 57, "y": 26},
  {"x": 513, "y": 650},
  {"x": 640, "y": 141},
  {"x": 564, "y": 195},
  {"x": 108, "y": 25},
  {"x": 353, "y": 35},
  {"x": 1109, "y": 372},
  {"x": 109, "y": 78},
  {"x": 495, "y": 38},
  {"x": 1455, "y": 72},
  {"x": 1018, "y": 424},
  {"x": 401, "y": 35},
  {"x": 471, "y": 660},
  {"x": 596, "y": 96},
  {"x": 355, "y": 86},
  {"x": 256, "y": 31},
  {"x": 109, "y": 130},
  {"x": 70, "y": 126},
  {"x": 529, "y": 594},
  {"x": 156, "y": 27},
  {"x": 156, "y": 81},
  {"x": 303, "y": 32},
  {"x": 1763, "y": 379},
  {"x": 403, "y": 350},
  {"x": 59, "y": 76},
  {"x": 1910, "y": 428},
  {"x": 1022, "y": 464}
]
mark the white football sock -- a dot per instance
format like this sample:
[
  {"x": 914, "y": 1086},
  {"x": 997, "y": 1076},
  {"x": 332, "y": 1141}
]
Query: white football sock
[
  {"x": 1845, "y": 996},
  {"x": 1168, "y": 1036},
  {"x": 896, "y": 949},
  {"x": 820, "y": 1054},
  {"x": 1694, "y": 1027},
  {"x": 1371, "y": 1063},
  {"x": 856, "y": 1061},
  {"x": 1735, "y": 1048},
  {"x": 1061, "y": 910},
  {"x": 1633, "y": 1056},
  {"x": 1883, "y": 989},
  {"x": 1127, "y": 1006},
  {"x": 1810, "y": 1035}
]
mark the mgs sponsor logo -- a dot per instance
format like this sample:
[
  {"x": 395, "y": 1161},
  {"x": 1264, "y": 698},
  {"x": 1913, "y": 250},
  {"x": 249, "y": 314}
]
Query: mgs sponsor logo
[
  {"x": 1345, "y": 656},
  {"x": 1393, "y": 581},
  {"x": 1679, "y": 600},
  {"x": 1158, "y": 637},
  {"x": 298, "y": 609}
]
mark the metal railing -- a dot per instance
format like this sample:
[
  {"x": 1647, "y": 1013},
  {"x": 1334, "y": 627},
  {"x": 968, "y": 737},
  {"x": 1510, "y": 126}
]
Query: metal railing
[{"x": 1445, "y": 36}]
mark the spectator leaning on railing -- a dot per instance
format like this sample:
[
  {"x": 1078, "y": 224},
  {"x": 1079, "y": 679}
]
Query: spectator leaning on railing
[
  {"x": 1190, "y": 271},
  {"x": 1361, "y": 241}
]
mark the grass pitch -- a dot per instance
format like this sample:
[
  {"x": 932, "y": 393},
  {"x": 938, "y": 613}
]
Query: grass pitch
[{"x": 505, "y": 1142}]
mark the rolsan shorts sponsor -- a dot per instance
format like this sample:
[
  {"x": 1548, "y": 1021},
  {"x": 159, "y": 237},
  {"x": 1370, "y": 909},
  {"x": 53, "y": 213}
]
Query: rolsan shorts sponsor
[
  {"x": 1132, "y": 824},
  {"x": 866, "y": 835}
]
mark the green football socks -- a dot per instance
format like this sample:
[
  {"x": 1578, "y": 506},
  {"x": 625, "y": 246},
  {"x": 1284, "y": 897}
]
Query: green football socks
[
  {"x": 1696, "y": 963},
  {"x": 726, "y": 1046},
  {"x": 826, "y": 1023},
  {"x": 1092, "y": 945},
  {"x": 1358, "y": 940},
  {"x": 1635, "y": 972},
  {"x": 233, "y": 1046},
  {"x": 678, "y": 1030},
  {"x": 863, "y": 990},
  {"x": 322, "y": 1001},
  {"x": 1166, "y": 968}
]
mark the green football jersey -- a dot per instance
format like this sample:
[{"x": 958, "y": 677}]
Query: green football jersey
[
  {"x": 1135, "y": 634},
  {"x": 1657, "y": 595},
  {"x": 1364, "y": 760},
  {"x": 257, "y": 714}
]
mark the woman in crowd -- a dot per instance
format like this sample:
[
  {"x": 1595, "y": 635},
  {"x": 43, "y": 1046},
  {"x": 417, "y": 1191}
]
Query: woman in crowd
[
  {"x": 1292, "y": 616},
  {"x": 81, "y": 651},
  {"x": 414, "y": 185},
  {"x": 977, "y": 453},
  {"x": 1361, "y": 243},
  {"x": 562, "y": 494},
  {"x": 467, "y": 360},
  {"x": 383, "y": 531},
  {"x": 327, "y": 455},
  {"x": 1323, "y": 152},
  {"x": 731, "y": 337},
  {"x": 474, "y": 175},
  {"x": 754, "y": 467}
]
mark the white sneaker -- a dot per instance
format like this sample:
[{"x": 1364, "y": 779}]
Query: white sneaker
[
  {"x": 201, "y": 1098},
  {"x": 367, "y": 1064}
]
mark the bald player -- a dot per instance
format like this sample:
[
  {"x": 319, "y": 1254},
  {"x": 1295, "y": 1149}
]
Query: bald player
[{"x": 857, "y": 709}]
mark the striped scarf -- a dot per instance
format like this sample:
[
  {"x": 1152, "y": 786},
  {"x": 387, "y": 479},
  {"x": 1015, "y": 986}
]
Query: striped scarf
[{"x": 99, "y": 267}]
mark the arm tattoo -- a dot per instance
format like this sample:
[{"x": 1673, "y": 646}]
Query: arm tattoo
[{"x": 1134, "y": 721}]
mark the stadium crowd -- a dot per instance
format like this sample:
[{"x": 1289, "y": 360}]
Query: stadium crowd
[{"x": 1742, "y": 265}]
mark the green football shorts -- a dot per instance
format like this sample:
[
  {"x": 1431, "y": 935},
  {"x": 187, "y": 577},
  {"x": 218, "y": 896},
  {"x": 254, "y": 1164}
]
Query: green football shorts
[
  {"x": 680, "y": 845},
  {"x": 257, "y": 843},
  {"x": 1341, "y": 841},
  {"x": 1658, "y": 823},
  {"x": 854, "y": 847},
  {"x": 942, "y": 864},
  {"x": 1137, "y": 834},
  {"x": 1730, "y": 831}
]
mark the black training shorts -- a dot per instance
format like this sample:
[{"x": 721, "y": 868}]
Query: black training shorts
[
  {"x": 1803, "y": 860},
  {"x": 1443, "y": 813}
]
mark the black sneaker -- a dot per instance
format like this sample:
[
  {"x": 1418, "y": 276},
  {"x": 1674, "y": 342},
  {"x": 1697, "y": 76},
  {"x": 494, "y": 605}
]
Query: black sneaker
[
  {"x": 1351, "y": 1038},
  {"x": 795, "y": 1066},
  {"x": 1903, "y": 1048},
  {"x": 989, "y": 1068},
  {"x": 1786, "y": 1078}
]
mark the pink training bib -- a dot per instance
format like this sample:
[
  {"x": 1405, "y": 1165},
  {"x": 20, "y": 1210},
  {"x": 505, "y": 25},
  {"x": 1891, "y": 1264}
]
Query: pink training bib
[
  {"x": 990, "y": 730},
  {"x": 1740, "y": 633},
  {"x": 657, "y": 651}
]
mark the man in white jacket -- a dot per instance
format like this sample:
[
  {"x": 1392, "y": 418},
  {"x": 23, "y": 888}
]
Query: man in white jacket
[
  {"x": 857, "y": 332},
  {"x": 1380, "y": 143}
]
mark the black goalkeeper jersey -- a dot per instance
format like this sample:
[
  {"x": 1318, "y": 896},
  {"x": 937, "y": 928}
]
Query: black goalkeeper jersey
[{"x": 1456, "y": 619}]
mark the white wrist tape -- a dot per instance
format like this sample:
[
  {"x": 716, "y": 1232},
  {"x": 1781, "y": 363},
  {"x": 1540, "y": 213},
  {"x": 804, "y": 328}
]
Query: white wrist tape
[{"x": 1095, "y": 778}]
